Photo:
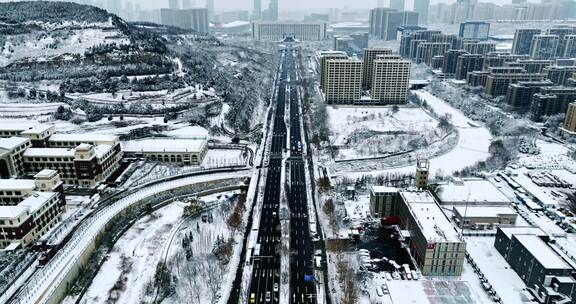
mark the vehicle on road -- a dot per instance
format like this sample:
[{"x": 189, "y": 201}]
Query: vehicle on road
[
  {"x": 268, "y": 297},
  {"x": 252, "y": 298},
  {"x": 275, "y": 287}
]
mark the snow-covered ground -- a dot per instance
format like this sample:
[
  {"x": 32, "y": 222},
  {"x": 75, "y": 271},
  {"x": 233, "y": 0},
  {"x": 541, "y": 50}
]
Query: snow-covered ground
[{"x": 472, "y": 147}]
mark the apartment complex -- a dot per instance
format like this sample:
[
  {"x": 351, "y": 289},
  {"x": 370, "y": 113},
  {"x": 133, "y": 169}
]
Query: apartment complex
[
  {"x": 523, "y": 41},
  {"x": 342, "y": 80},
  {"x": 29, "y": 208},
  {"x": 370, "y": 55},
  {"x": 384, "y": 22},
  {"x": 551, "y": 100},
  {"x": 570, "y": 120},
  {"x": 390, "y": 80},
  {"x": 474, "y": 30},
  {"x": 276, "y": 31},
  {"x": 519, "y": 95},
  {"x": 191, "y": 19}
]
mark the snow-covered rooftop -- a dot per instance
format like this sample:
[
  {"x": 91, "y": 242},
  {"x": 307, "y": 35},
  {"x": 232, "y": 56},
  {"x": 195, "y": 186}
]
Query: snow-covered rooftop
[
  {"x": 170, "y": 145},
  {"x": 541, "y": 252},
  {"x": 472, "y": 191},
  {"x": 101, "y": 150},
  {"x": 433, "y": 222},
  {"x": 37, "y": 129},
  {"x": 17, "y": 184},
  {"x": 32, "y": 203},
  {"x": 49, "y": 152},
  {"x": 484, "y": 211},
  {"x": 12, "y": 142},
  {"x": 83, "y": 137},
  {"x": 383, "y": 189},
  {"x": 509, "y": 231},
  {"x": 14, "y": 125},
  {"x": 11, "y": 211},
  {"x": 234, "y": 24},
  {"x": 46, "y": 173}
]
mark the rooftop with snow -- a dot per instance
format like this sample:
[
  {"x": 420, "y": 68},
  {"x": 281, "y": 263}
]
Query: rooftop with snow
[{"x": 169, "y": 145}]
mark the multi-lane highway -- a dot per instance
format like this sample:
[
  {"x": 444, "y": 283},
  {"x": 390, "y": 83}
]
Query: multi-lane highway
[
  {"x": 265, "y": 280},
  {"x": 302, "y": 286}
]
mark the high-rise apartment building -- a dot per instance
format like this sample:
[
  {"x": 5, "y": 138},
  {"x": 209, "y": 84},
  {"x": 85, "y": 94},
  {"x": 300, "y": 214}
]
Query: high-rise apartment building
[
  {"x": 422, "y": 7},
  {"x": 210, "y": 8},
  {"x": 519, "y": 95},
  {"x": 384, "y": 23},
  {"x": 343, "y": 80},
  {"x": 390, "y": 80},
  {"x": 523, "y": 41},
  {"x": 544, "y": 46},
  {"x": 570, "y": 121},
  {"x": 561, "y": 32},
  {"x": 370, "y": 55},
  {"x": 322, "y": 58},
  {"x": 468, "y": 63},
  {"x": 451, "y": 61},
  {"x": 428, "y": 50},
  {"x": 257, "y": 10},
  {"x": 474, "y": 30},
  {"x": 192, "y": 19},
  {"x": 551, "y": 100},
  {"x": 569, "y": 50}
]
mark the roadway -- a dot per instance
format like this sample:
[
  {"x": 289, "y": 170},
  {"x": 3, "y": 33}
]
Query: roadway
[
  {"x": 265, "y": 279},
  {"x": 301, "y": 258}
]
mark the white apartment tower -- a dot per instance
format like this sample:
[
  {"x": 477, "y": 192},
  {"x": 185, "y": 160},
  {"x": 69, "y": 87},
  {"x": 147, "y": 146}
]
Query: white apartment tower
[{"x": 390, "y": 80}]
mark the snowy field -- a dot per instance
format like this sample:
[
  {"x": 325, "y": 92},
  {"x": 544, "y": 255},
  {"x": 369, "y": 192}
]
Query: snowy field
[
  {"x": 472, "y": 145},
  {"x": 361, "y": 132}
]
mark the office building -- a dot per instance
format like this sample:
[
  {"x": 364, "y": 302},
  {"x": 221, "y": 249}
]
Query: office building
[
  {"x": 397, "y": 5},
  {"x": 519, "y": 95},
  {"x": 523, "y": 41},
  {"x": 422, "y": 7},
  {"x": 474, "y": 30},
  {"x": 384, "y": 201},
  {"x": 544, "y": 47},
  {"x": 174, "y": 4},
  {"x": 257, "y": 10},
  {"x": 570, "y": 120},
  {"x": 451, "y": 61},
  {"x": 323, "y": 56},
  {"x": 192, "y": 19},
  {"x": 185, "y": 151},
  {"x": 559, "y": 75},
  {"x": 370, "y": 55},
  {"x": 352, "y": 44},
  {"x": 434, "y": 243},
  {"x": 343, "y": 80},
  {"x": 531, "y": 255},
  {"x": 11, "y": 156},
  {"x": 390, "y": 80},
  {"x": 384, "y": 23},
  {"x": 279, "y": 31},
  {"x": 467, "y": 63}
]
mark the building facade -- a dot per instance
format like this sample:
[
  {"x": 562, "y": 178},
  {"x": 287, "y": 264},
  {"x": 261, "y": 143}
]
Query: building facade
[
  {"x": 390, "y": 80},
  {"x": 523, "y": 41},
  {"x": 474, "y": 30},
  {"x": 276, "y": 31},
  {"x": 544, "y": 47},
  {"x": 370, "y": 55},
  {"x": 570, "y": 120},
  {"x": 11, "y": 156},
  {"x": 343, "y": 81},
  {"x": 190, "y": 151}
]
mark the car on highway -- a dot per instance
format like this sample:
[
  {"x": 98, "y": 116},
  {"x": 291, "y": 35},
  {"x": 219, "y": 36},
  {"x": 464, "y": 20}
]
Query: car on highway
[
  {"x": 268, "y": 297},
  {"x": 252, "y": 298},
  {"x": 275, "y": 287}
]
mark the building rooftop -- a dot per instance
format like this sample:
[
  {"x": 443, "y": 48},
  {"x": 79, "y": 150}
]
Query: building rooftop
[
  {"x": 9, "y": 212},
  {"x": 12, "y": 142},
  {"x": 383, "y": 189},
  {"x": 472, "y": 191},
  {"x": 170, "y": 145},
  {"x": 484, "y": 211},
  {"x": 509, "y": 231},
  {"x": 101, "y": 150},
  {"x": 433, "y": 223},
  {"x": 541, "y": 252},
  {"x": 17, "y": 184},
  {"x": 49, "y": 152},
  {"x": 37, "y": 129},
  {"x": 83, "y": 137},
  {"x": 46, "y": 173},
  {"x": 15, "y": 125},
  {"x": 37, "y": 200}
]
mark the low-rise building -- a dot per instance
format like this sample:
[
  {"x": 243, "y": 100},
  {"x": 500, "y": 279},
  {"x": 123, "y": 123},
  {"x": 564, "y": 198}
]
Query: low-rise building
[
  {"x": 471, "y": 192},
  {"x": 189, "y": 151},
  {"x": 483, "y": 217},
  {"x": 38, "y": 134},
  {"x": 384, "y": 201}
]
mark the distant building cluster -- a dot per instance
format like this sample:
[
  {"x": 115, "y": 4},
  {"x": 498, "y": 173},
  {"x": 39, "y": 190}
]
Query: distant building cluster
[
  {"x": 384, "y": 22},
  {"x": 536, "y": 77},
  {"x": 277, "y": 31},
  {"x": 344, "y": 78},
  {"x": 191, "y": 19}
]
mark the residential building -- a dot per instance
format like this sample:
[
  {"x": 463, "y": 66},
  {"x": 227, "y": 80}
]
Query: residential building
[
  {"x": 427, "y": 50},
  {"x": 499, "y": 79},
  {"x": 451, "y": 61},
  {"x": 397, "y": 4},
  {"x": 569, "y": 50},
  {"x": 192, "y": 19},
  {"x": 559, "y": 75},
  {"x": 279, "y": 31},
  {"x": 384, "y": 201},
  {"x": 531, "y": 255},
  {"x": 497, "y": 59},
  {"x": 523, "y": 41},
  {"x": 189, "y": 151},
  {"x": 11, "y": 156},
  {"x": 408, "y": 19},
  {"x": 370, "y": 55},
  {"x": 519, "y": 95},
  {"x": 474, "y": 30},
  {"x": 481, "y": 48},
  {"x": 477, "y": 78},
  {"x": 437, "y": 62},
  {"x": 434, "y": 242},
  {"x": 483, "y": 217},
  {"x": 13, "y": 191},
  {"x": 467, "y": 63},
  {"x": 544, "y": 46},
  {"x": 561, "y": 32},
  {"x": 570, "y": 120},
  {"x": 322, "y": 57},
  {"x": 343, "y": 81},
  {"x": 390, "y": 80},
  {"x": 551, "y": 100},
  {"x": 530, "y": 65}
]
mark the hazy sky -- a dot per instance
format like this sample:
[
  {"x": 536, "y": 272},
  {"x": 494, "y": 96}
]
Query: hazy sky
[{"x": 226, "y": 5}]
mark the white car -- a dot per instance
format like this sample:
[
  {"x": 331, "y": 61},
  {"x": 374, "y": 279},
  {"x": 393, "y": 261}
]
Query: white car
[{"x": 275, "y": 287}]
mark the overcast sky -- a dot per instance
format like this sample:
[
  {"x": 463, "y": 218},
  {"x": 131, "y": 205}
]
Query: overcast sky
[{"x": 226, "y": 5}]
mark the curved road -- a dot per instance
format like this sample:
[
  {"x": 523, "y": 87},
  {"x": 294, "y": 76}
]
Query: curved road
[{"x": 43, "y": 284}]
